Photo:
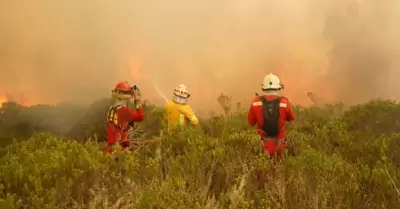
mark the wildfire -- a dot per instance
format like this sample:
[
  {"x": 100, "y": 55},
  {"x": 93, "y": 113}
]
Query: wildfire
[
  {"x": 141, "y": 78},
  {"x": 135, "y": 71},
  {"x": 18, "y": 98},
  {"x": 3, "y": 99}
]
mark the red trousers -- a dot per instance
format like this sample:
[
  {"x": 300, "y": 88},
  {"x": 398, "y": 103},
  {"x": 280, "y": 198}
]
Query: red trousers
[{"x": 271, "y": 146}]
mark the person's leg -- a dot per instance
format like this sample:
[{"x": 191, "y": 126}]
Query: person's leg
[
  {"x": 280, "y": 149},
  {"x": 108, "y": 148},
  {"x": 124, "y": 145},
  {"x": 269, "y": 147}
]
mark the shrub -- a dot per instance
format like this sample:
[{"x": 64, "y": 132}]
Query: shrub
[{"x": 335, "y": 163}]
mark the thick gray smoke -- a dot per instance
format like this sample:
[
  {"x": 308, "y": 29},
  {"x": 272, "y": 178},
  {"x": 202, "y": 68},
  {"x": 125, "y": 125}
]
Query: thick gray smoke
[{"x": 76, "y": 50}]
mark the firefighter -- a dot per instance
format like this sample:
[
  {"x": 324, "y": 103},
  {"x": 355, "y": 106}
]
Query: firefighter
[
  {"x": 178, "y": 111},
  {"x": 270, "y": 112},
  {"x": 120, "y": 117}
]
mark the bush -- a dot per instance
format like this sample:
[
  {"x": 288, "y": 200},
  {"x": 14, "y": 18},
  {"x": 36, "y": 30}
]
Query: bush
[
  {"x": 19, "y": 122},
  {"x": 335, "y": 162},
  {"x": 79, "y": 122}
]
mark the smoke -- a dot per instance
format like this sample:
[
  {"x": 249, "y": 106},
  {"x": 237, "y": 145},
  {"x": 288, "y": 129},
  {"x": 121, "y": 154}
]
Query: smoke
[
  {"x": 76, "y": 50},
  {"x": 363, "y": 57}
]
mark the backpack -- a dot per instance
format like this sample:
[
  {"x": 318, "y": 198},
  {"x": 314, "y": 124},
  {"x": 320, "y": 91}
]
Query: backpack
[{"x": 271, "y": 116}]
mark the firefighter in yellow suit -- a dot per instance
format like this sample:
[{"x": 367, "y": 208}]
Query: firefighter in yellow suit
[{"x": 178, "y": 111}]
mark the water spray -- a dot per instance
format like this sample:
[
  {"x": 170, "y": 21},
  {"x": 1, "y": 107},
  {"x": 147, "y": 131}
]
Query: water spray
[{"x": 159, "y": 92}]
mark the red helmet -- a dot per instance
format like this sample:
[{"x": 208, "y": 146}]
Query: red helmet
[{"x": 123, "y": 87}]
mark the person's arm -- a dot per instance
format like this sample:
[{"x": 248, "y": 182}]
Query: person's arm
[
  {"x": 166, "y": 108},
  {"x": 137, "y": 115},
  {"x": 251, "y": 117},
  {"x": 189, "y": 114},
  {"x": 289, "y": 113},
  {"x": 132, "y": 115}
]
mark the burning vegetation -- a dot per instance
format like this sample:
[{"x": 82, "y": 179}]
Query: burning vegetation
[
  {"x": 18, "y": 98},
  {"x": 3, "y": 99}
]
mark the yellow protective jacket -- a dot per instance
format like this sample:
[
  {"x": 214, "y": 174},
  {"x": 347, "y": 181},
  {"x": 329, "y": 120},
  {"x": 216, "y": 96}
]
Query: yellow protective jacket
[{"x": 180, "y": 114}]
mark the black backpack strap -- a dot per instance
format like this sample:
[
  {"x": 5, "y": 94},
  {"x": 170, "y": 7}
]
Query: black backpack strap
[{"x": 264, "y": 101}]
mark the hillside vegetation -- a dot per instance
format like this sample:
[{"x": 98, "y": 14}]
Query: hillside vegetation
[{"x": 337, "y": 158}]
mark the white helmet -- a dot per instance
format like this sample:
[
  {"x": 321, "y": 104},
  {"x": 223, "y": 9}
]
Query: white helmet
[
  {"x": 271, "y": 82},
  {"x": 181, "y": 94}
]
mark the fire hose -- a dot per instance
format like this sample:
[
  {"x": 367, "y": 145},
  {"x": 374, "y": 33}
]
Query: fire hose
[{"x": 134, "y": 144}]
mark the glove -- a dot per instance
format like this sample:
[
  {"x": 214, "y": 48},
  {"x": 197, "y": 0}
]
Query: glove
[
  {"x": 138, "y": 104},
  {"x": 137, "y": 97},
  {"x": 136, "y": 92}
]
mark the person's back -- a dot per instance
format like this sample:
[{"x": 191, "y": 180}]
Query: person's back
[
  {"x": 271, "y": 112},
  {"x": 256, "y": 114},
  {"x": 178, "y": 111}
]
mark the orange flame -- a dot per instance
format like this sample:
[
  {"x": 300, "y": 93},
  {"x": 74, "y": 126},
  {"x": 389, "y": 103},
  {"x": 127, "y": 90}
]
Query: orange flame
[
  {"x": 18, "y": 98},
  {"x": 135, "y": 71},
  {"x": 3, "y": 100}
]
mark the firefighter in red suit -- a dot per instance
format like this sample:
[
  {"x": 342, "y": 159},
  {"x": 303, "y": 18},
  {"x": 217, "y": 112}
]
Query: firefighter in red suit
[
  {"x": 270, "y": 112},
  {"x": 120, "y": 117}
]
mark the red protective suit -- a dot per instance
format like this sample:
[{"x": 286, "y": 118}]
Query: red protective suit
[
  {"x": 118, "y": 119},
  {"x": 256, "y": 116}
]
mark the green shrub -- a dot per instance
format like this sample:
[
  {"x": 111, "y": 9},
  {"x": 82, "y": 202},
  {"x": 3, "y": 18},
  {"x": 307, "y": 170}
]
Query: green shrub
[
  {"x": 79, "y": 122},
  {"x": 335, "y": 162}
]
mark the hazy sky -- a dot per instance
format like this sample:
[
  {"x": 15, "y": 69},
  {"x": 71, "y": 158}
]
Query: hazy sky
[{"x": 76, "y": 50}]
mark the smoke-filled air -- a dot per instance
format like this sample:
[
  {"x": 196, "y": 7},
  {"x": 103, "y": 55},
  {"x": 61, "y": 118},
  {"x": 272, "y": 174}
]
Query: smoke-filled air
[
  {"x": 76, "y": 51},
  {"x": 75, "y": 132}
]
